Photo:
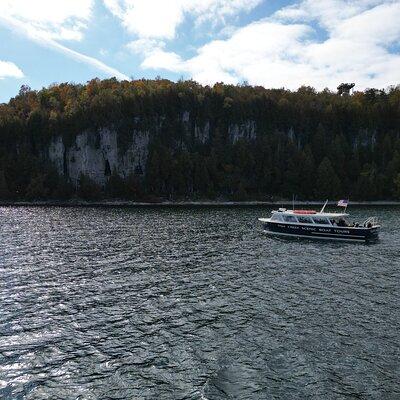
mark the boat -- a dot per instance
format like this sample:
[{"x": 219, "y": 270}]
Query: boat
[{"x": 323, "y": 225}]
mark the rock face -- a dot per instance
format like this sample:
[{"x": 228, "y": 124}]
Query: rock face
[
  {"x": 202, "y": 133},
  {"x": 245, "y": 131},
  {"x": 97, "y": 155}
]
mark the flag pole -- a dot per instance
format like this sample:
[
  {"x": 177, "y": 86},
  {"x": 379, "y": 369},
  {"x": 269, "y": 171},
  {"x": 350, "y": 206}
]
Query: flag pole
[
  {"x": 345, "y": 209},
  {"x": 323, "y": 208}
]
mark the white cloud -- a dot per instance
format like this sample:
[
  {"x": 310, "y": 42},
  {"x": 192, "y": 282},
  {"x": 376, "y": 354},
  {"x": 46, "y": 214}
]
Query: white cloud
[
  {"x": 154, "y": 53},
  {"x": 379, "y": 25},
  {"x": 9, "y": 69},
  {"x": 284, "y": 50},
  {"x": 46, "y": 21},
  {"x": 243, "y": 55},
  {"x": 148, "y": 18},
  {"x": 167, "y": 60},
  {"x": 56, "y": 19},
  {"x": 366, "y": 19},
  {"x": 160, "y": 18},
  {"x": 327, "y": 12},
  {"x": 145, "y": 46}
]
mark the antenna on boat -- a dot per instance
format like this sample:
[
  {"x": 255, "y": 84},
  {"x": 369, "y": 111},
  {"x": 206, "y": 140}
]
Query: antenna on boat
[
  {"x": 323, "y": 208},
  {"x": 293, "y": 202}
]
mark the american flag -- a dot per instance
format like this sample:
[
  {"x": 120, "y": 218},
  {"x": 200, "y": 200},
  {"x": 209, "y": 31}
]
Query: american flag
[{"x": 343, "y": 203}]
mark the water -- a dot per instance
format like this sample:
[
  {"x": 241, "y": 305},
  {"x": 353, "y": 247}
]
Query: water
[{"x": 193, "y": 303}]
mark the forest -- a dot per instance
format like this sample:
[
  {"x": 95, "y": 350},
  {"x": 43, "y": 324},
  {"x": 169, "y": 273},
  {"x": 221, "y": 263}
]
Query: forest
[{"x": 311, "y": 144}]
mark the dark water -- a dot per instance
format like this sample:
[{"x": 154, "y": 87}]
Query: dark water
[{"x": 193, "y": 303}]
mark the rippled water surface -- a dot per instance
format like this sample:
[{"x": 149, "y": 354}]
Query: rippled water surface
[{"x": 193, "y": 303}]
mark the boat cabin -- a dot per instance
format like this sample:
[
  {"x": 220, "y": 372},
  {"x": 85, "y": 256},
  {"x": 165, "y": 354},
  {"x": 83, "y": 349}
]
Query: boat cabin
[{"x": 311, "y": 217}]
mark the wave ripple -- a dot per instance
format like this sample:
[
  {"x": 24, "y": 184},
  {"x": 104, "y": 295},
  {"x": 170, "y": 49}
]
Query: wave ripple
[{"x": 193, "y": 303}]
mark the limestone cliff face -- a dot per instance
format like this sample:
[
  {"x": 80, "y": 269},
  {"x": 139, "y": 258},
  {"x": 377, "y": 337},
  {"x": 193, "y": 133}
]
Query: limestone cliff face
[
  {"x": 245, "y": 131},
  {"x": 98, "y": 154}
]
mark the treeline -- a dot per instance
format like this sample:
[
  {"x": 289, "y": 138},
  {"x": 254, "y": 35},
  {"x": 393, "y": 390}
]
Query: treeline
[{"x": 316, "y": 145}]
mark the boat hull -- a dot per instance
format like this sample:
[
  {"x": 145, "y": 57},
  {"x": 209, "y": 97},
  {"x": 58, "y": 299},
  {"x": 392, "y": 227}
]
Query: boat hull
[{"x": 322, "y": 232}]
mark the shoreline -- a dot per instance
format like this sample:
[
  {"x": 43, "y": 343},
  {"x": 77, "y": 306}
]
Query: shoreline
[{"x": 204, "y": 203}]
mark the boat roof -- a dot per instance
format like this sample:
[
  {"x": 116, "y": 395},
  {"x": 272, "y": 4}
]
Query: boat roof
[{"x": 311, "y": 213}]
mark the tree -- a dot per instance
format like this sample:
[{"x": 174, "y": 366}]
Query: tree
[
  {"x": 307, "y": 174},
  {"x": 116, "y": 186},
  {"x": 240, "y": 193},
  {"x": 88, "y": 189},
  {"x": 367, "y": 185},
  {"x": 63, "y": 189},
  {"x": 397, "y": 186},
  {"x": 37, "y": 188},
  {"x": 328, "y": 184},
  {"x": 319, "y": 142},
  {"x": 4, "y": 191}
]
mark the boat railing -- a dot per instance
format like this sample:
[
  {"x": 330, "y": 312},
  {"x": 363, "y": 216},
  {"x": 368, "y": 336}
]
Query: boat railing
[{"x": 371, "y": 221}]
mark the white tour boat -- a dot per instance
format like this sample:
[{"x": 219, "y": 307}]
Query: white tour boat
[{"x": 320, "y": 225}]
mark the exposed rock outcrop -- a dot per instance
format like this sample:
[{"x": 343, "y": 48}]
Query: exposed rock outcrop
[
  {"x": 245, "y": 131},
  {"x": 97, "y": 155}
]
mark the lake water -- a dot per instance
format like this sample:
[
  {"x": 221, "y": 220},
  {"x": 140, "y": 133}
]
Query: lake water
[{"x": 193, "y": 303}]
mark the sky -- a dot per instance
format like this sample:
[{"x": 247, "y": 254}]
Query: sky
[{"x": 273, "y": 43}]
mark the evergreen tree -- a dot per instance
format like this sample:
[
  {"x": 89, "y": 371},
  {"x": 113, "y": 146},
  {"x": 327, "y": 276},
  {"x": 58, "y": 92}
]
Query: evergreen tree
[
  {"x": 37, "y": 188},
  {"x": 367, "y": 183},
  {"x": 116, "y": 187},
  {"x": 319, "y": 143},
  {"x": 328, "y": 184},
  {"x": 4, "y": 191},
  {"x": 88, "y": 189},
  {"x": 307, "y": 174},
  {"x": 396, "y": 183}
]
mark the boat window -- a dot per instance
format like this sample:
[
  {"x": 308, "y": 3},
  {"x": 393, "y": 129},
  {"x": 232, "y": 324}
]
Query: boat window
[
  {"x": 276, "y": 217},
  {"x": 321, "y": 221},
  {"x": 289, "y": 218},
  {"x": 305, "y": 220}
]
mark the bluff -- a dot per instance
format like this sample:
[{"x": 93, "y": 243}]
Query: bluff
[
  {"x": 156, "y": 138},
  {"x": 96, "y": 155}
]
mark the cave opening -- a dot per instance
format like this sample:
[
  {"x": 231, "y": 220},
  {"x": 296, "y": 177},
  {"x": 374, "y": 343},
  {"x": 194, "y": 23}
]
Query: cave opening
[
  {"x": 107, "y": 169},
  {"x": 138, "y": 170}
]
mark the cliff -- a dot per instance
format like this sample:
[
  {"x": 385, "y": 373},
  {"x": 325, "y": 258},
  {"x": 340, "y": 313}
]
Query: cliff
[
  {"x": 96, "y": 154},
  {"x": 156, "y": 138}
]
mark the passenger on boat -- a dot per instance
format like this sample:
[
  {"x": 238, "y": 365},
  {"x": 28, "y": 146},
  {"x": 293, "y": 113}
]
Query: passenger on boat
[{"x": 342, "y": 222}]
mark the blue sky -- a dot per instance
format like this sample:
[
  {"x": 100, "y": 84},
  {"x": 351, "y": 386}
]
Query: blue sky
[{"x": 273, "y": 43}]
